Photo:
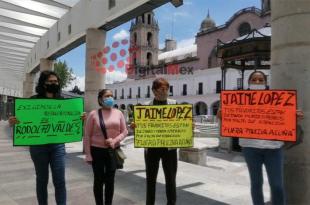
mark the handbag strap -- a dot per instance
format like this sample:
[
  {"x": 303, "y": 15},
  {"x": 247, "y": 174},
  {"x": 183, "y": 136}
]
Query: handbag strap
[{"x": 102, "y": 125}]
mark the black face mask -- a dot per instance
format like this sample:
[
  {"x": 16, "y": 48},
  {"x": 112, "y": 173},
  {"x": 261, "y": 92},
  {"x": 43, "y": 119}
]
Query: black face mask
[{"x": 52, "y": 88}]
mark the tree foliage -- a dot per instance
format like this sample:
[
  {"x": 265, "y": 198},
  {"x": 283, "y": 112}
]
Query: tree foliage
[{"x": 64, "y": 72}]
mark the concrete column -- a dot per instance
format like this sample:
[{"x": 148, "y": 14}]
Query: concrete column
[
  {"x": 46, "y": 64},
  {"x": 210, "y": 110},
  {"x": 290, "y": 69},
  {"x": 3, "y": 101},
  {"x": 28, "y": 85},
  {"x": 4, "y": 98},
  {"x": 94, "y": 80}
]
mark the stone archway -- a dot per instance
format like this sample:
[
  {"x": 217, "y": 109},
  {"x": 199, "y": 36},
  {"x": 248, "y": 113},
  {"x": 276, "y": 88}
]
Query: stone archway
[
  {"x": 201, "y": 108},
  {"x": 215, "y": 107}
]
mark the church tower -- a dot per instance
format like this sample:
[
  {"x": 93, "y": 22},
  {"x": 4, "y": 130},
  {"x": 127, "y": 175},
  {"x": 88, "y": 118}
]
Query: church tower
[
  {"x": 207, "y": 23},
  {"x": 143, "y": 43}
]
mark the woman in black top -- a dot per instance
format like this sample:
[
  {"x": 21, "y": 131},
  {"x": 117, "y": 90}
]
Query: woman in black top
[{"x": 52, "y": 155}]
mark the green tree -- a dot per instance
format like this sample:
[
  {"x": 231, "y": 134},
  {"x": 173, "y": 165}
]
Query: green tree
[{"x": 64, "y": 72}]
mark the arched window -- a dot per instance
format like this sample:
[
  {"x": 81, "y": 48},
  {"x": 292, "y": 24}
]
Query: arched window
[
  {"x": 184, "y": 91},
  {"x": 149, "y": 59},
  {"x": 135, "y": 38},
  {"x": 244, "y": 28},
  {"x": 149, "y": 38},
  {"x": 129, "y": 95},
  {"x": 212, "y": 59},
  {"x": 215, "y": 107},
  {"x": 149, "y": 19}
]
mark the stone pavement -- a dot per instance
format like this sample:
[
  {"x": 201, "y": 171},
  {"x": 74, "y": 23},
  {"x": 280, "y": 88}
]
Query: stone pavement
[{"x": 223, "y": 181}]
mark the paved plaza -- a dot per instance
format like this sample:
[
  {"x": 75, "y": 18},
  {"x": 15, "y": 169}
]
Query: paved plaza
[{"x": 223, "y": 181}]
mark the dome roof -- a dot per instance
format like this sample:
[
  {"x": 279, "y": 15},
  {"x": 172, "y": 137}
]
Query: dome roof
[{"x": 207, "y": 23}]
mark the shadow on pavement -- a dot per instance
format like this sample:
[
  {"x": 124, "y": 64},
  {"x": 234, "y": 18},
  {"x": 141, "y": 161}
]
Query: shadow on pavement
[{"x": 132, "y": 187}]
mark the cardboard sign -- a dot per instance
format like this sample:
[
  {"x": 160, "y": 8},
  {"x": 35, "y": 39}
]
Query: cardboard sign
[
  {"x": 48, "y": 121},
  {"x": 163, "y": 126},
  {"x": 260, "y": 114}
]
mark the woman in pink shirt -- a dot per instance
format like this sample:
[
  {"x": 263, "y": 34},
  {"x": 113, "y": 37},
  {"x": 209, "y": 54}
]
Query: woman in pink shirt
[{"x": 97, "y": 147}]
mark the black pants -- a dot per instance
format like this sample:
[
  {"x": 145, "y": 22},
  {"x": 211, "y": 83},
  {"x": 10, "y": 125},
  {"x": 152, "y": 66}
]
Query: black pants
[
  {"x": 169, "y": 163},
  {"x": 104, "y": 174}
]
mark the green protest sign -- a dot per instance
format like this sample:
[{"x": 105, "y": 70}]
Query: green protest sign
[
  {"x": 163, "y": 126},
  {"x": 48, "y": 121}
]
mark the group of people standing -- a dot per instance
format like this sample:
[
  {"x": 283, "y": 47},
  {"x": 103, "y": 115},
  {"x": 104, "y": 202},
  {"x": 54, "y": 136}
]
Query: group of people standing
[{"x": 97, "y": 148}]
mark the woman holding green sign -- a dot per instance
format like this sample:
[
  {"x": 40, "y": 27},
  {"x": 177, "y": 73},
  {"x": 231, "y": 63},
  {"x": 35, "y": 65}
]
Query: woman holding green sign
[
  {"x": 52, "y": 155},
  {"x": 105, "y": 129}
]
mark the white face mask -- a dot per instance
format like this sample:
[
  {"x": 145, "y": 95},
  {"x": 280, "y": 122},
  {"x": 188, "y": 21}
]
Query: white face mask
[{"x": 257, "y": 87}]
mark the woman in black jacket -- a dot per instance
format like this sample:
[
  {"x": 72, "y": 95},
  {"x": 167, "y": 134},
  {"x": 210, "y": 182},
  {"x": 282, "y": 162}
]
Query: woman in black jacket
[{"x": 52, "y": 155}]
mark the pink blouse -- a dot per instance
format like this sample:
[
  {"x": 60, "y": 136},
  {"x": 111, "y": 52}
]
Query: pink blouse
[{"x": 115, "y": 125}]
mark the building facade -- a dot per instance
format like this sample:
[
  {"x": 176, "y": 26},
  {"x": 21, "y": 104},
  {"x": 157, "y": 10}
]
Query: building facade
[{"x": 193, "y": 72}]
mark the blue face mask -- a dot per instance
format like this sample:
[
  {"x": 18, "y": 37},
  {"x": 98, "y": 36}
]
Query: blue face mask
[{"x": 109, "y": 102}]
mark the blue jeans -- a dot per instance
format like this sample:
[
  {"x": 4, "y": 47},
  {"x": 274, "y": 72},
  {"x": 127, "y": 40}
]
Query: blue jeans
[
  {"x": 43, "y": 156},
  {"x": 273, "y": 161}
]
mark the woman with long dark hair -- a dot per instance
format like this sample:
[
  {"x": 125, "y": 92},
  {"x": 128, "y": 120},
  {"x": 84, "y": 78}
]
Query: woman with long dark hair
[{"x": 52, "y": 155}]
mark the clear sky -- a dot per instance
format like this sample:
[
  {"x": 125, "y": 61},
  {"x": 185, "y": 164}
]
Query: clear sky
[{"x": 182, "y": 23}]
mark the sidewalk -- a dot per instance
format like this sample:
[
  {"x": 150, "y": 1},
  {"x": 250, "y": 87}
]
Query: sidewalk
[{"x": 223, "y": 181}]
